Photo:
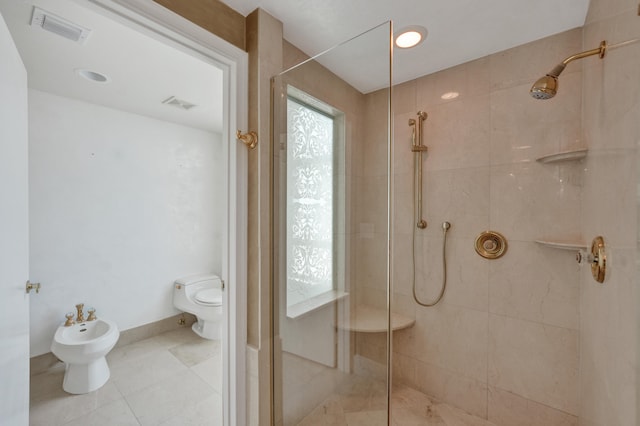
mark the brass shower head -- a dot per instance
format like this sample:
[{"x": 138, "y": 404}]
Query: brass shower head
[{"x": 547, "y": 86}]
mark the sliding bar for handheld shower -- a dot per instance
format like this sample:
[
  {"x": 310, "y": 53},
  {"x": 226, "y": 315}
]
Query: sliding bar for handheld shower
[{"x": 419, "y": 148}]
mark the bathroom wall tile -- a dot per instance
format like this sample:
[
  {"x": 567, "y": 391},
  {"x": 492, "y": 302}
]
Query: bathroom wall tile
[
  {"x": 402, "y": 264},
  {"x": 536, "y": 361},
  {"x": 403, "y": 202},
  {"x": 404, "y": 98},
  {"x": 114, "y": 413},
  {"x": 176, "y": 394},
  {"x": 452, "y": 388},
  {"x": 508, "y": 409},
  {"x": 371, "y": 199},
  {"x": 404, "y": 370},
  {"x": 612, "y": 96},
  {"x": 451, "y": 338},
  {"x": 460, "y": 197},
  {"x": 375, "y": 144},
  {"x": 371, "y": 262},
  {"x": 604, "y": 171},
  {"x": 468, "y": 80},
  {"x": 467, "y": 273},
  {"x": 132, "y": 376},
  {"x": 524, "y": 128},
  {"x": 599, "y": 10},
  {"x": 536, "y": 283},
  {"x": 452, "y": 146},
  {"x": 532, "y": 201},
  {"x": 372, "y": 346},
  {"x": 403, "y": 138},
  {"x": 527, "y": 63},
  {"x": 608, "y": 361}
]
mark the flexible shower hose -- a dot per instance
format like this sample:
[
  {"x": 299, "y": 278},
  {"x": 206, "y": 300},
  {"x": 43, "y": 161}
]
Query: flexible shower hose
[{"x": 445, "y": 228}]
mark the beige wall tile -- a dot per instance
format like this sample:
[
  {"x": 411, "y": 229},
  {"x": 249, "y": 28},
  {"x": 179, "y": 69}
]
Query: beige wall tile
[
  {"x": 467, "y": 273},
  {"x": 602, "y": 9},
  {"x": 609, "y": 342},
  {"x": 531, "y": 201},
  {"x": 536, "y": 361},
  {"x": 451, "y": 338},
  {"x": 468, "y": 80},
  {"x": 459, "y": 196},
  {"x": 527, "y": 63},
  {"x": 537, "y": 284},
  {"x": 609, "y": 206},
  {"x": 455, "y": 146},
  {"x": 524, "y": 128},
  {"x": 612, "y": 95}
]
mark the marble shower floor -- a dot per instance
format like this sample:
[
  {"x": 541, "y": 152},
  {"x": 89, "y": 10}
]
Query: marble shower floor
[
  {"x": 172, "y": 379},
  {"x": 360, "y": 403}
]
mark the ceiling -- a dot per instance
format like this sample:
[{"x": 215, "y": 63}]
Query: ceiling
[
  {"x": 459, "y": 30},
  {"x": 143, "y": 72}
]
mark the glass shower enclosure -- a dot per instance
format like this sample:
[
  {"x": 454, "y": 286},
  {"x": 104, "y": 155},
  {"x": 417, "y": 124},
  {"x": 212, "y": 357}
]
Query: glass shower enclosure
[{"x": 331, "y": 235}]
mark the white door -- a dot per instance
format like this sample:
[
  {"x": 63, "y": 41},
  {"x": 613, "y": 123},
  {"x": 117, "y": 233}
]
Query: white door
[{"x": 14, "y": 236}]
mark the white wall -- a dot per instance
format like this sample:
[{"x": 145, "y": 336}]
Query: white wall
[{"x": 121, "y": 206}]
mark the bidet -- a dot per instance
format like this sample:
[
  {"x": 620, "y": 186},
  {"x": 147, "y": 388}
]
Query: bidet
[{"x": 83, "y": 347}]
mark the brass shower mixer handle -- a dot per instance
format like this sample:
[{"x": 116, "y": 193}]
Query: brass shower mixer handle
[{"x": 597, "y": 258}]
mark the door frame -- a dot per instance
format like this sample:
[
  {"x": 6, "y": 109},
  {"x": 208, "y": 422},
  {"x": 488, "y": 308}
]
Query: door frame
[{"x": 158, "y": 22}]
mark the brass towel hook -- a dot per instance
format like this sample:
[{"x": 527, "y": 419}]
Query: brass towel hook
[{"x": 250, "y": 139}]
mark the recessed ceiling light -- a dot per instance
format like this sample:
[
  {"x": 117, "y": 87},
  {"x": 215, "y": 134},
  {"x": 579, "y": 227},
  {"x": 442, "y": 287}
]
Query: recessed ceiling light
[
  {"x": 410, "y": 36},
  {"x": 93, "y": 75},
  {"x": 450, "y": 95}
]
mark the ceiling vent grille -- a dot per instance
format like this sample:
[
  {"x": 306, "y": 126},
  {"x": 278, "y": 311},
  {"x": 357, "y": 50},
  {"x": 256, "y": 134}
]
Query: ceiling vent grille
[
  {"x": 178, "y": 103},
  {"x": 57, "y": 25}
]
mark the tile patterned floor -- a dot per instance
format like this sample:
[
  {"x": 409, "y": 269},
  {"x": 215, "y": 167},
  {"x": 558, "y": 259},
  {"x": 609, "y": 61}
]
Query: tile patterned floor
[
  {"x": 361, "y": 402},
  {"x": 173, "y": 379}
]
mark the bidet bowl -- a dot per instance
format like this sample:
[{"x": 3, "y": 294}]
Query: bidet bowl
[{"x": 83, "y": 347}]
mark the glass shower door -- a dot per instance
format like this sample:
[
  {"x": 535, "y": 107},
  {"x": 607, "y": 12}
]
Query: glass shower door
[{"x": 331, "y": 235}]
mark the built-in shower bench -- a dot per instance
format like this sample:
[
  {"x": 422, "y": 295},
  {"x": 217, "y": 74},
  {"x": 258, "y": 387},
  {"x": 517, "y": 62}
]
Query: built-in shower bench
[{"x": 366, "y": 319}]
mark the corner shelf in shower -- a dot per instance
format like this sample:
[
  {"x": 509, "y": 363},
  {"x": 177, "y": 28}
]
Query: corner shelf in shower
[
  {"x": 574, "y": 155},
  {"x": 366, "y": 319},
  {"x": 563, "y": 244}
]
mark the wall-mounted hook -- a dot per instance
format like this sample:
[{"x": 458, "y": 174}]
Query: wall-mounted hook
[
  {"x": 250, "y": 139},
  {"x": 32, "y": 286}
]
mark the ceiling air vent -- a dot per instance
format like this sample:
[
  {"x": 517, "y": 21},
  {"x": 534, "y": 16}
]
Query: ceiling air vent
[
  {"x": 57, "y": 25},
  {"x": 179, "y": 103}
]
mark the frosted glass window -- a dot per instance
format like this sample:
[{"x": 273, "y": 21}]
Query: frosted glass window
[{"x": 310, "y": 202}]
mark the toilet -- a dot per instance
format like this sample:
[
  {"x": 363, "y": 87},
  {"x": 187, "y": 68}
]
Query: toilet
[
  {"x": 83, "y": 347},
  {"x": 201, "y": 296}
]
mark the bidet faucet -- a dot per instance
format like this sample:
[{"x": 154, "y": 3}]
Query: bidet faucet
[{"x": 80, "y": 316}]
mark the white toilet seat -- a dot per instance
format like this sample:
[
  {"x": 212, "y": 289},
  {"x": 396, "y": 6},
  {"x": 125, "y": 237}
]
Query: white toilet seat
[{"x": 209, "y": 297}]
